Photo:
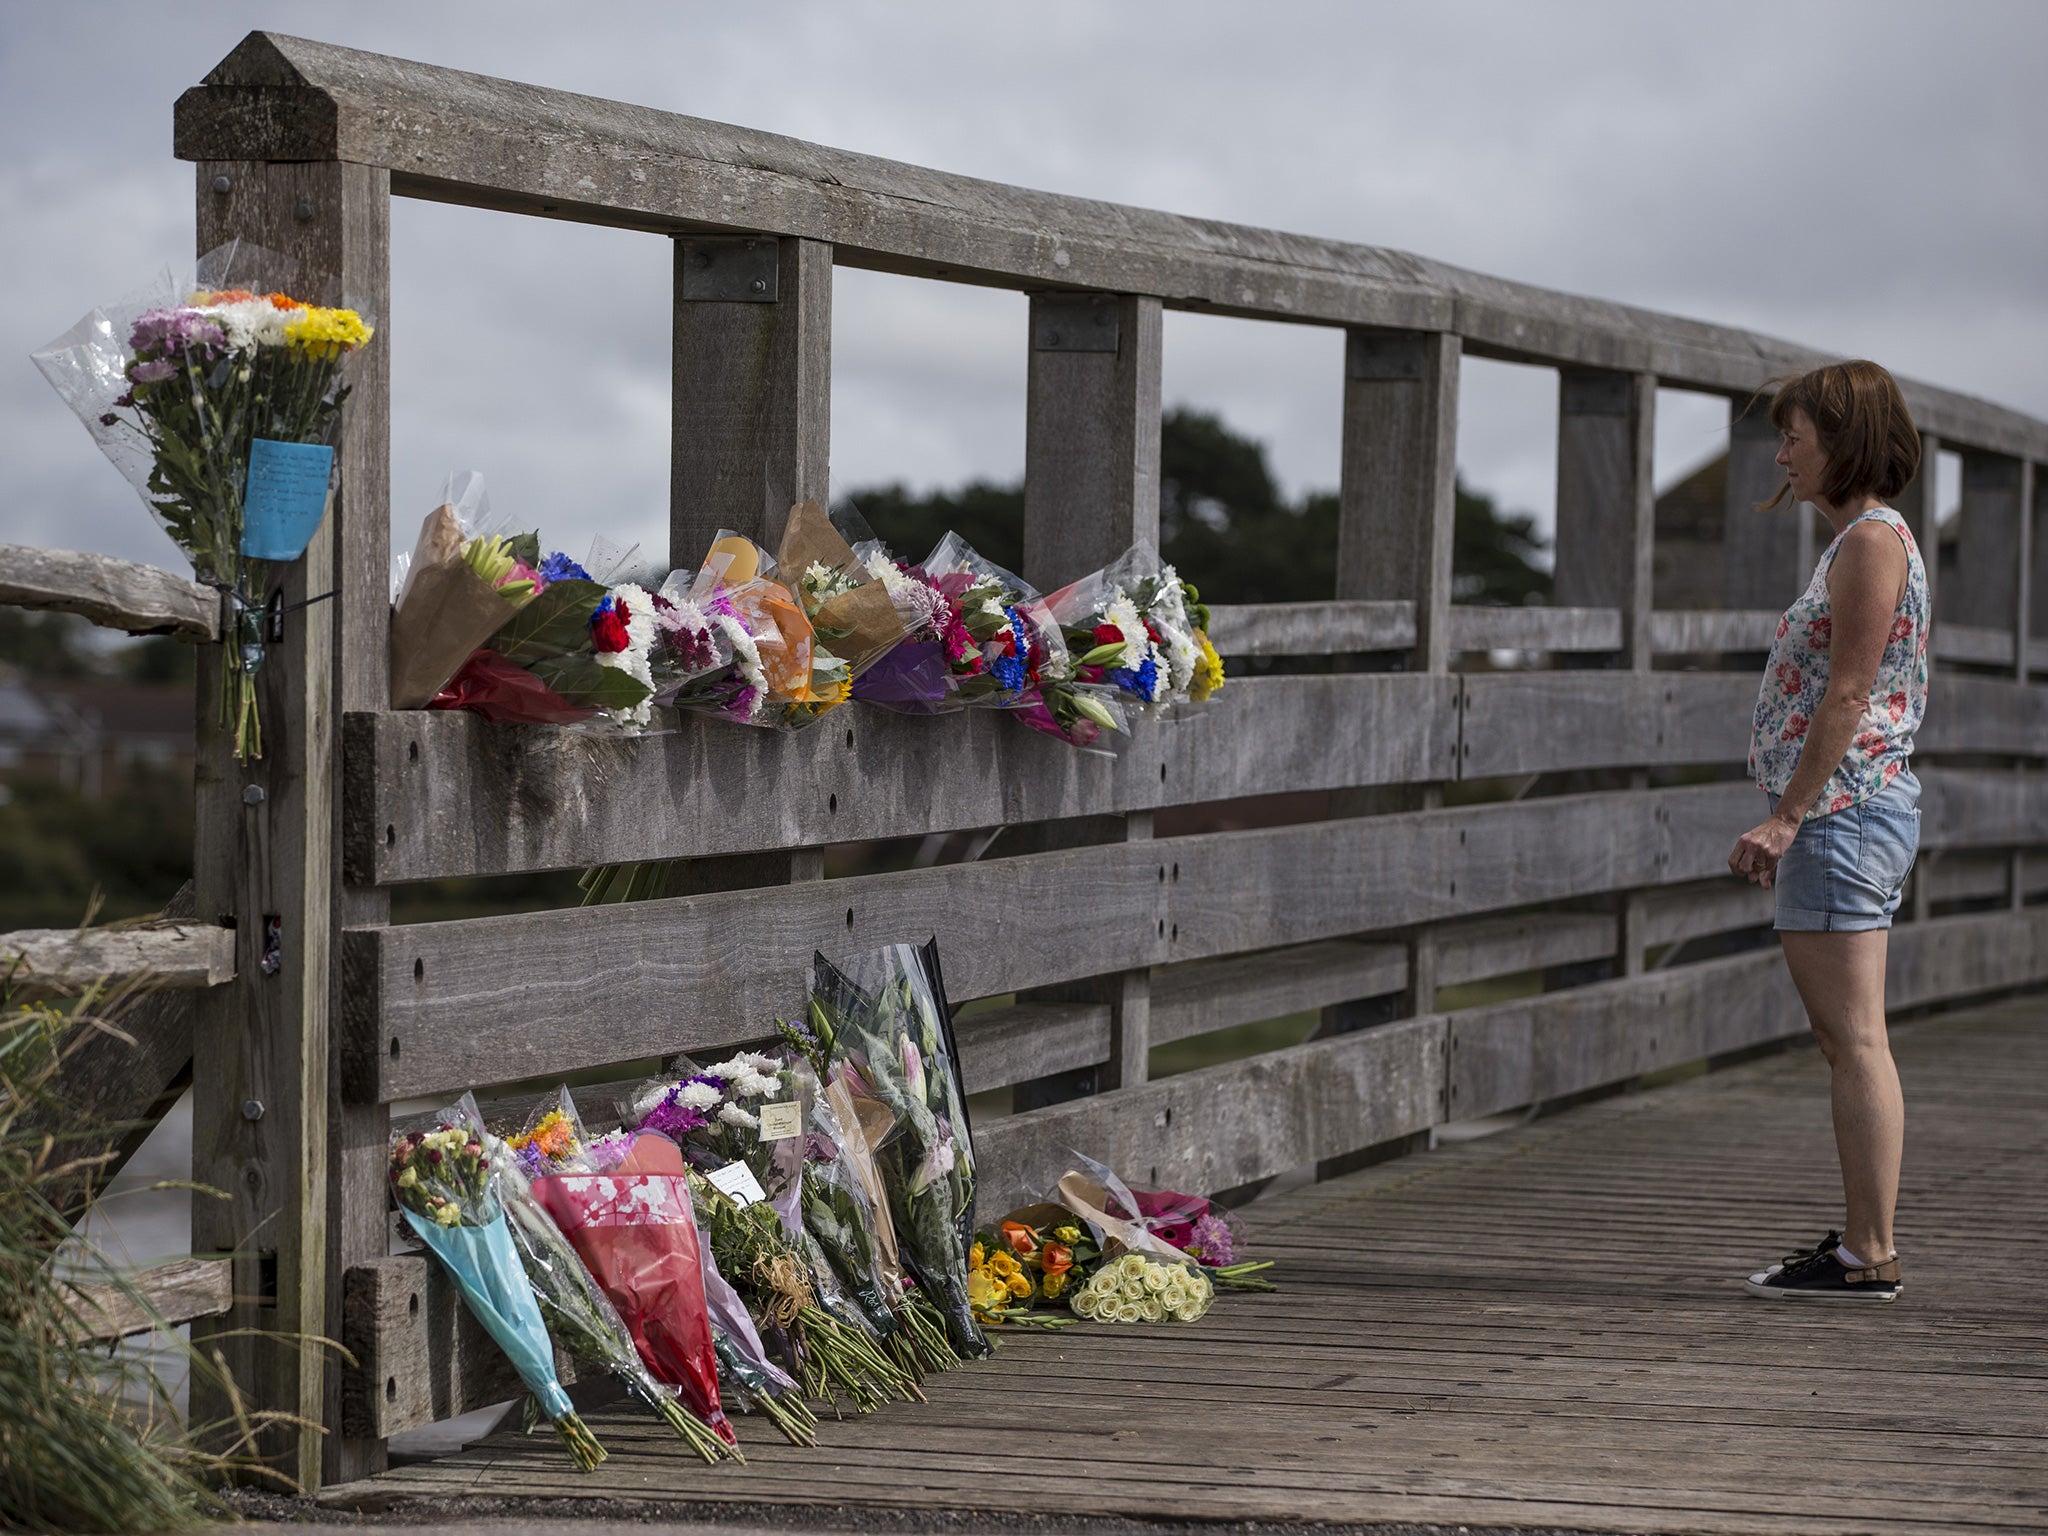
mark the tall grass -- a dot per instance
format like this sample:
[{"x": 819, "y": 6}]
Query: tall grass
[{"x": 89, "y": 1437}]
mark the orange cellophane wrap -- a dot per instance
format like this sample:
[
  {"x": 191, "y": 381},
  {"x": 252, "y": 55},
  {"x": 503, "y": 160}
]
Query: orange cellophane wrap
[{"x": 864, "y": 623}]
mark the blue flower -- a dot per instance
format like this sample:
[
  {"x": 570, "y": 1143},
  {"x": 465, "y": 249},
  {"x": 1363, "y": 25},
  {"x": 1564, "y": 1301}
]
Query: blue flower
[
  {"x": 1143, "y": 681},
  {"x": 1011, "y": 673},
  {"x": 559, "y": 567}
]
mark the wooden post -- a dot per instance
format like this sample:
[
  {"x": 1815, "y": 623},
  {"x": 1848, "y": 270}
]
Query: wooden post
[
  {"x": 2025, "y": 554},
  {"x": 2036, "y": 627},
  {"x": 1919, "y": 505},
  {"x": 1760, "y": 549},
  {"x": 267, "y": 860},
  {"x": 1091, "y": 491},
  {"x": 1397, "y": 492},
  {"x": 1986, "y": 582},
  {"x": 1396, "y": 509},
  {"x": 1606, "y": 503},
  {"x": 753, "y": 387}
]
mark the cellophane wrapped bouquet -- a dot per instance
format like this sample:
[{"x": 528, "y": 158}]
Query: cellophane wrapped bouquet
[
  {"x": 852, "y": 617},
  {"x": 742, "y": 1124},
  {"x": 624, "y": 1204},
  {"x": 974, "y": 635},
  {"x": 442, "y": 1181},
  {"x": 457, "y": 588},
  {"x": 1136, "y": 629},
  {"x": 577, "y": 1312},
  {"x": 880, "y": 1019},
  {"x": 183, "y": 388}
]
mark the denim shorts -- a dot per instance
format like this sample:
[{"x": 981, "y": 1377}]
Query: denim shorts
[{"x": 1845, "y": 873}]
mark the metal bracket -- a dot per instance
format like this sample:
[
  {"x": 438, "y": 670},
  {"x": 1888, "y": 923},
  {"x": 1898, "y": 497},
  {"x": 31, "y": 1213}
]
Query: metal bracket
[
  {"x": 729, "y": 269},
  {"x": 1587, "y": 392},
  {"x": 1387, "y": 357},
  {"x": 275, "y": 608},
  {"x": 1074, "y": 322}
]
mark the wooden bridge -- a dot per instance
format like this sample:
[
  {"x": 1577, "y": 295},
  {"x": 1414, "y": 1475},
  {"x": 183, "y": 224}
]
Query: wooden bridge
[{"x": 1568, "y": 821}]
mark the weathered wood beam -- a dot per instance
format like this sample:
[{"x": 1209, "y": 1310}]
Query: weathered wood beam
[
  {"x": 1311, "y": 629},
  {"x": 159, "y": 1297},
  {"x": 470, "y": 139},
  {"x": 1605, "y": 500},
  {"x": 1207, "y": 995},
  {"x": 169, "y": 954},
  {"x": 1546, "y": 722},
  {"x": 1984, "y": 587},
  {"x": 115, "y": 594},
  {"x": 1474, "y": 628},
  {"x": 1759, "y": 550}
]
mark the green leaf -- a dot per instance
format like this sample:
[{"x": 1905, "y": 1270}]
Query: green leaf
[
  {"x": 525, "y": 546},
  {"x": 588, "y": 683},
  {"x": 554, "y": 624}
]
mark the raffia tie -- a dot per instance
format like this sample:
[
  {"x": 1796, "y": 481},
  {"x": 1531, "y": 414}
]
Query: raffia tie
[{"x": 789, "y": 1291}]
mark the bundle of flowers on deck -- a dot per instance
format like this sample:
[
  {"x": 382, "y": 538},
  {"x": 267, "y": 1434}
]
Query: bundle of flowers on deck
[
  {"x": 442, "y": 1180},
  {"x": 975, "y": 634},
  {"x": 881, "y": 1020},
  {"x": 742, "y": 1124},
  {"x": 575, "y": 1311},
  {"x": 1136, "y": 628},
  {"x": 1164, "y": 1223},
  {"x": 625, "y": 1207},
  {"x": 220, "y": 403}
]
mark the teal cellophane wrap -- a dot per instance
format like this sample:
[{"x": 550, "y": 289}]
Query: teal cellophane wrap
[{"x": 486, "y": 1269}]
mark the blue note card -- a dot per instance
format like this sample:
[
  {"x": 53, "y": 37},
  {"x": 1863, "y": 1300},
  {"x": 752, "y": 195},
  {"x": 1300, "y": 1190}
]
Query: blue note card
[{"x": 285, "y": 498}]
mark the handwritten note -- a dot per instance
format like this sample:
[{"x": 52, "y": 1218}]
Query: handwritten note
[
  {"x": 285, "y": 498},
  {"x": 737, "y": 1180}
]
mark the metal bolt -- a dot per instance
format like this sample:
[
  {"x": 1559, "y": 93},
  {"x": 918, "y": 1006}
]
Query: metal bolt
[
  {"x": 304, "y": 210},
  {"x": 252, "y": 1109},
  {"x": 252, "y": 794},
  {"x": 758, "y": 285},
  {"x": 223, "y": 183}
]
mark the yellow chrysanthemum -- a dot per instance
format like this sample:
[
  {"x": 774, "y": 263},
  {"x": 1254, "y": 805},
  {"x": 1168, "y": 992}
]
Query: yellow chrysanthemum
[
  {"x": 326, "y": 333},
  {"x": 1208, "y": 669}
]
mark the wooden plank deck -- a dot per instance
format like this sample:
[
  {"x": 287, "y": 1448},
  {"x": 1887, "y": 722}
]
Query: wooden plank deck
[{"x": 1541, "y": 1328}]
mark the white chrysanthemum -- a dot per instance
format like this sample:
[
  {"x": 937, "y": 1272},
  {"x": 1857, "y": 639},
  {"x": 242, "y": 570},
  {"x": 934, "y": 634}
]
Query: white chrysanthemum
[
  {"x": 636, "y": 660},
  {"x": 251, "y": 323},
  {"x": 701, "y": 1096},
  {"x": 919, "y": 606},
  {"x": 1122, "y": 613},
  {"x": 748, "y": 655},
  {"x": 733, "y": 1115},
  {"x": 767, "y": 1066}
]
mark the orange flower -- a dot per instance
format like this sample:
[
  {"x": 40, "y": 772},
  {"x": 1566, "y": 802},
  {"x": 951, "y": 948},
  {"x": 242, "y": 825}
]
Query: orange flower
[
  {"x": 1057, "y": 1258},
  {"x": 283, "y": 301},
  {"x": 1020, "y": 1237}
]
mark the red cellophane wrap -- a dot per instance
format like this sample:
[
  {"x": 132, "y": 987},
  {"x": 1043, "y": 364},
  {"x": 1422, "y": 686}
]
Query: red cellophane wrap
[
  {"x": 506, "y": 692},
  {"x": 634, "y": 1229}
]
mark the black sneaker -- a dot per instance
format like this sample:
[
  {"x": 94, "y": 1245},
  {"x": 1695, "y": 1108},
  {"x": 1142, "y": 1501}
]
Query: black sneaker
[{"x": 1816, "y": 1274}]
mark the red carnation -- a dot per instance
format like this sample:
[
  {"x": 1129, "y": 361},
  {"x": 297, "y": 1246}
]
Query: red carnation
[
  {"x": 1108, "y": 634},
  {"x": 608, "y": 628}
]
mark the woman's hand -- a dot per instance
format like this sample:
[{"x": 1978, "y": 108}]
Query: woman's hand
[{"x": 1758, "y": 850}]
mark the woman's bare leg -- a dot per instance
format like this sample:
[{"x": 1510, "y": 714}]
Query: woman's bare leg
[{"x": 1840, "y": 977}]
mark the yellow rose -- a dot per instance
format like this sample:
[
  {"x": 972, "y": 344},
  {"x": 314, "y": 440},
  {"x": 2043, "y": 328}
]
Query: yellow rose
[
  {"x": 1003, "y": 1265},
  {"x": 1067, "y": 1235},
  {"x": 976, "y": 1257},
  {"x": 984, "y": 1293},
  {"x": 1019, "y": 1286},
  {"x": 1054, "y": 1286}
]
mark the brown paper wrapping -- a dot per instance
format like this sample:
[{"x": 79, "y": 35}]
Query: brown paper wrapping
[
  {"x": 445, "y": 611},
  {"x": 869, "y": 621}
]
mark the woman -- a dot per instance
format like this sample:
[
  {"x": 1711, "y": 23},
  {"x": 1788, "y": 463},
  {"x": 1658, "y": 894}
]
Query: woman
[{"x": 1844, "y": 692}]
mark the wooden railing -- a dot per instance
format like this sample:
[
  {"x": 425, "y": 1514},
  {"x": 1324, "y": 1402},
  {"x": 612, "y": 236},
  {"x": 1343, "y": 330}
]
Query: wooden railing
[{"x": 1097, "y": 939}]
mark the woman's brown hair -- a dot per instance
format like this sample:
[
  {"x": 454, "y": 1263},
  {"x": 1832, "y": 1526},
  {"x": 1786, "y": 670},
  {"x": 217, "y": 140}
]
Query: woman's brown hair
[{"x": 1873, "y": 448}]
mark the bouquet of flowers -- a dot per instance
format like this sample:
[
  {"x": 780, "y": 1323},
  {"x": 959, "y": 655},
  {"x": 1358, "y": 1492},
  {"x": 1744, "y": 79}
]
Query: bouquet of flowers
[
  {"x": 442, "y": 1180},
  {"x": 883, "y": 1016},
  {"x": 975, "y": 634},
  {"x": 1137, "y": 628},
  {"x": 624, "y": 1208},
  {"x": 1037, "y": 1254},
  {"x": 455, "y": 591},
  {"x": 578, "y": 1315},
  {"x": 1139, "y": 1288},
  {"x": 850, "y": 611},
  {"x": 1177, "y": 1227},
  {"x": 220, "y": 402}
]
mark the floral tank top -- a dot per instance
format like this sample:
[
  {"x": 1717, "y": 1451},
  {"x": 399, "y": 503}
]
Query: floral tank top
[{"x": 1797, "y": 677}]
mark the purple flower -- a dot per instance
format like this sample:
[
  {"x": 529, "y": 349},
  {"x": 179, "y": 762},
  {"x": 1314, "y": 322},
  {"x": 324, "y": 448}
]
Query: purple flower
[
  {"x": 1212, "y": 1241},
  {"x": 673, "y": 1118},
  {"x": 155, "y": 371},
  {"x": 176, "y": 332}
]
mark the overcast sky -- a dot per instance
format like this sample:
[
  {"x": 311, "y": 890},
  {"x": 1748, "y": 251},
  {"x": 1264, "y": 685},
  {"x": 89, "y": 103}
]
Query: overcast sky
[{"x": 1862, "y": 177}]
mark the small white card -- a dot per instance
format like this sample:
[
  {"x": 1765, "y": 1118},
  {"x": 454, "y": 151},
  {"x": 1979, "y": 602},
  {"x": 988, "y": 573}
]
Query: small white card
[
  {"x": 738, "y": 1181},
  {"x": 779, "y": 1122}
]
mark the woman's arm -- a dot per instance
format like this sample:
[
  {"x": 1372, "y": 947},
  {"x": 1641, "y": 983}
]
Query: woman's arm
[{"x": 1864, "y": 586}]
